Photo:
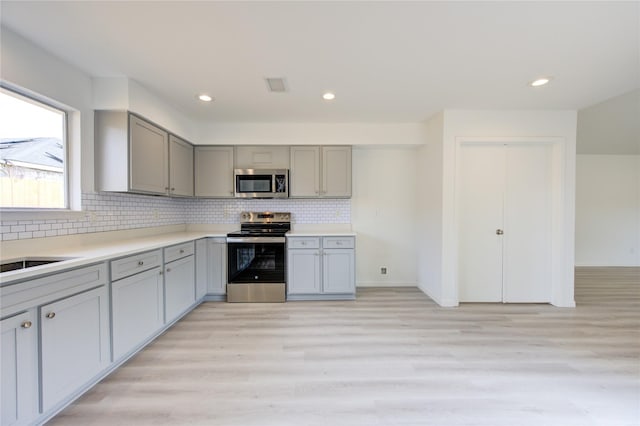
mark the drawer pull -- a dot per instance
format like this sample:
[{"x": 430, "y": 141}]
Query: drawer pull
[
  {"x": 51, "y": 315},
  {"x": 140, "y": 262},
  {"x": 181, "y": 251},
  {"x": 168, "y": 269},
  {"x": 338, "y": 243},
  {"x": 26, "y": 324}
]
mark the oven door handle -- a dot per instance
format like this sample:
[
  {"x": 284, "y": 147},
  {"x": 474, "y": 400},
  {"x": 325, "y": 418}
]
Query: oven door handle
[{"x": 273, "y": 240}]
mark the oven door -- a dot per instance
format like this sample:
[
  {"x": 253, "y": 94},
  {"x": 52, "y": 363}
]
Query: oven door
[{"x": 256, "y": 260}]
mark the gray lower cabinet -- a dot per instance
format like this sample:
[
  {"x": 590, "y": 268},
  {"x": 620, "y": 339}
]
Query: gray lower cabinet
[
  {"x": 19, "y": 368},
  {"x": 75, "y": 347},
  {"x": 217, "y": 271},
  {"x": 137, "y": 309},
  {"x": 179, "y": 280},
  {"x": 320, "y": 268},
  {"x": 211, "y": 268}
]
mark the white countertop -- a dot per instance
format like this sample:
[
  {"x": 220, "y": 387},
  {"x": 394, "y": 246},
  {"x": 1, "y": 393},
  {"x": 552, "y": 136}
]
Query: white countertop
[
  {"x": 86, "y": 249},
  {"x": 324, "y": 230}
]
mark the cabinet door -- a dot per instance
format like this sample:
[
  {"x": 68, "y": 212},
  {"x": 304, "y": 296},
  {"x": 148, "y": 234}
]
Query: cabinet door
[
  {"x": 303, "y": 275},
  {"x": 262, "y": 157},
  {"x": 137, "y": 310},
  {"x": 202, "y": 268},
  {"x": 180, "y": 167},
  {"x": 149, "y": 157},
  {"x": 338, "y": 271},
  {"x": 18, "y": 369},
  {"x": 74, "y": 343},
  {"x": 336, "y": 171},
  {"x": 179, "y": 283},
  {"x": 214, "y": 171},
  {"x": 304, "y": 179},
  {"x": 217, "y": 248}
]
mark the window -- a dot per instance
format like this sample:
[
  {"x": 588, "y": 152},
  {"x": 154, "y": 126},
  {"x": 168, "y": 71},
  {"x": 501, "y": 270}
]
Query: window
[{"x": 33, "y": 169}]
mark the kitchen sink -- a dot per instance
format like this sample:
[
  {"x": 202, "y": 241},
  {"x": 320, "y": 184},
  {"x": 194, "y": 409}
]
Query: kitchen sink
[{"x": 29, "y": 262}]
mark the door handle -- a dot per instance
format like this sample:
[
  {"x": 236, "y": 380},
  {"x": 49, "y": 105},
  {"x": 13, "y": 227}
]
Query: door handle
[{"x": 499, "y": 232}]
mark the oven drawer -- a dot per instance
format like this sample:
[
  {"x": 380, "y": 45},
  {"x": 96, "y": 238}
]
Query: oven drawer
[
  {"x": 303, "y": 242},
  {"x": 338, "y": 242}
]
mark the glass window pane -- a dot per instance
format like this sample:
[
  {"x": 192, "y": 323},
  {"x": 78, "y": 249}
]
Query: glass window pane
[{"x": 32, "y": 153}]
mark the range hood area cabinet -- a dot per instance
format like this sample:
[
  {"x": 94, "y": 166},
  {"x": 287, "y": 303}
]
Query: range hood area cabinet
[
  {"x": 262, "y": 157},
  {"x": 320, "y": 172},
  {"x": 135, "y": 155}
]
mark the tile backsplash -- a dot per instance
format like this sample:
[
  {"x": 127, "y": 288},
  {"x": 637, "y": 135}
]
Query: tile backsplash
[{"x": 115, "y": 212}]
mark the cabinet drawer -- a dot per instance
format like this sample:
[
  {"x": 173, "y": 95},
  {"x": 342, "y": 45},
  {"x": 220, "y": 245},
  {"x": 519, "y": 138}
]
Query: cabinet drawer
[
  {"x": 24, "y": 295},
  {"x": 130, "y": 265},
  {"x": 303, "y": 243},
  {"x": 178, "y": 251},
  {"x": 338, "y": 242}
]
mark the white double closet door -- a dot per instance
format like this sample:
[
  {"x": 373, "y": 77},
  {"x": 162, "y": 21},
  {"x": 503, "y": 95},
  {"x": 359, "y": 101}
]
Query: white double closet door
[{"x": 504, "y": 222}]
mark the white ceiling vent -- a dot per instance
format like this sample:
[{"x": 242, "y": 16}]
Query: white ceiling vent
[{"x": 276, "y": 84}]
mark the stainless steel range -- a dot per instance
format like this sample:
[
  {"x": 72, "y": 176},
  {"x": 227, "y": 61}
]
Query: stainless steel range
[{"x": 256, "y": 257}]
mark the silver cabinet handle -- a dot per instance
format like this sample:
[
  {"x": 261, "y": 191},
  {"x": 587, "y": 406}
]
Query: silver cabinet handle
[
  {"x": 181, "y": 251},
  {"x": 499, "y": 232},
  {"x": 51, "y": 315},
  {"x": 168, "y": 269},
  {"x": 173, "y": 189},
  {"x": 140, "y": 263},
  {"x": 26, "y": 324}
]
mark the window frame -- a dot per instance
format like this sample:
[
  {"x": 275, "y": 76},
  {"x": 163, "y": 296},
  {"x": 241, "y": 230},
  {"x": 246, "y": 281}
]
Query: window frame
[{"x": 48, "y": 104}]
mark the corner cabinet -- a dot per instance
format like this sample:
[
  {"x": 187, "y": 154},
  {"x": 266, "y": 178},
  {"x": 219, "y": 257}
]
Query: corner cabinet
[
  {"x": 320, "y": 171},
  {"x": 214, "y": 171},
  {"x": 211, "y": 268},
  {"x": 135, "y": 155},
  {"x": 321, "y": 268}
]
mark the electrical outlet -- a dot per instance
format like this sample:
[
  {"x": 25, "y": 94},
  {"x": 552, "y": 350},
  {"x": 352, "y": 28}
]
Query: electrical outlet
[{"x": 383, "y": 270}]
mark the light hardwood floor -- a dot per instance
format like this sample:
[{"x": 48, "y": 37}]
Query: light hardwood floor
[{"x": 392, "y": 357}]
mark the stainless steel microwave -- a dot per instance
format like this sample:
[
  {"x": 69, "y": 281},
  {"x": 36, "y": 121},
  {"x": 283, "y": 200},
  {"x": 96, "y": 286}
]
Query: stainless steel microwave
[{"x": 261, "y": 183}]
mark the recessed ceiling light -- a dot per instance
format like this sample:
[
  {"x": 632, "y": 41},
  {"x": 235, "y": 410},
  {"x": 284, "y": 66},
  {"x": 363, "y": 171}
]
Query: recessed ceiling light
[
  {"x": 328, "y": 96},
  {"x": 540, "y": 82},
  {"x": 205, "y": 98}
]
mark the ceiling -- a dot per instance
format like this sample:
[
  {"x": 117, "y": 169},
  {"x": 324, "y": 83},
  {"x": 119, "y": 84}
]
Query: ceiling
[{"x": 385, "y": 61}]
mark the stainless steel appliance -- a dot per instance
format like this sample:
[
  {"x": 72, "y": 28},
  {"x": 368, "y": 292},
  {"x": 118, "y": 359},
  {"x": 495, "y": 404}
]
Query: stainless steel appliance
[
  {"x": 256, "y": 257},
  {"x": 261, "y": 183}
]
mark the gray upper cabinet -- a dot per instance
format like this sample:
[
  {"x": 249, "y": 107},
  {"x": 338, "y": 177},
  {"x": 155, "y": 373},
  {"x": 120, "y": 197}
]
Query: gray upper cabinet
[
  {"x": 180, "y": 167},
  {"x": 320, "y": 171},
  {"x": 133, "y": 155},
  {"x": 262, "y": 157},
  {"x": 214, "y": 171}
]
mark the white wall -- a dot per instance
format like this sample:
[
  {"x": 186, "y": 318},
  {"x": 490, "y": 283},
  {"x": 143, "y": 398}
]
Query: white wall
[
  {"x": 312, "y": 133},
  {"x": 611, "y": 127},
  {"x": 29, "y": 67},
  {"x": 383, "y": 213},
  {"x": 608, "y": 210},
  {"x": 559, "y": 125},
  {"x": 430, "y": 212}
]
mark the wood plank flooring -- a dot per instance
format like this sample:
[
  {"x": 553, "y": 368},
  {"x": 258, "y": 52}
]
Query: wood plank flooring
[{"x": 391, "y": 357}]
